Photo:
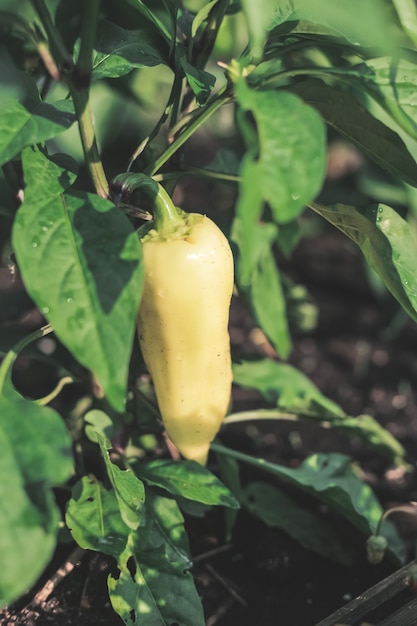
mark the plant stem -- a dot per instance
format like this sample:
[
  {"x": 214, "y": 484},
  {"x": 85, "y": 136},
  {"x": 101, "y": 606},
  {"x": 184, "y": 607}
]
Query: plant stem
[
  {"x": 79, "y": 84},
  {"x": 88, "y": 38},
  {"x": 173, "y": 96},
  {"x": 166, "y": 217},
  {"x": 11, "y": 356},
  {"x": 78, "y": 79},
  {"x": 58, "y": 48},
  {"x": 88, "y": 139},
  {"x": 221, "y": 98}
]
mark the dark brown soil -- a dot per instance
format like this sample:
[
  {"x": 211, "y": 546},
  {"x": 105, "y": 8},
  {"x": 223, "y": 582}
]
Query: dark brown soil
[{"x": 362, "y": 355}]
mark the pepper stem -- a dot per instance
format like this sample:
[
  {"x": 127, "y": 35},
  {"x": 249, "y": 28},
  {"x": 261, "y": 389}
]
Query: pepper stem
[{"x": 166, "y": 217}]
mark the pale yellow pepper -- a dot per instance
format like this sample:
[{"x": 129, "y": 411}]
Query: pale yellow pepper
[{"x": 183, "y": 327}]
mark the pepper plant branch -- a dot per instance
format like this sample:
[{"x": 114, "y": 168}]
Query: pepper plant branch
[
  {"x": 78, "y": 81},
  {"x": 203, "y": 47},
  {"x": 79, "y": 84},
  {"x": 88, "y": 139},
  {"x": 200, "y": 118},
  {"x": 20, "y": 25},
  {"x": 59, "y": 51},
  {"x": 198, "y": 172},
  {"x": 11, "y": 356},
  {"x": 176, "y": 88},
  {"x": 88, "y": 38}
]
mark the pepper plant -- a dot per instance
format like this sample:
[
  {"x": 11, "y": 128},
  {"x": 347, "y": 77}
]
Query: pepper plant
[{"x": 98, "y": 96}]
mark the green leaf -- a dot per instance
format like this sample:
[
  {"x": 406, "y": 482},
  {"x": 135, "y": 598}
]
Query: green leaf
[
  {"x": 296, "y": 396},
  {"x": 202, "y": 16},
  {"x": 284, "y": 386},
  {"x": 259, "y": 279},
  {"x": 162, "y": 20},
  {"x": 155, "y": 581},
  {"x": 262, "y": 16},
  {"x": 342, "y": 112},
  {"x": 36, "y": 455},
  {"x": 290, "y": 165},
  {"x": 129, "y": 490},
  {"x": 392, "y": 82},
  {"x": 200, "y": 81},
  {"x": 332, "y": 479},
  {"x": 278, "y": 510},
  {"x": 407, "y": 12},
  {"x": 93, "y": 517},
  {"x": 186, "y": 479},
  {"x": 80, "y": 260},
  {"x": 33, "y": 122},
  {"x": 361, "y": 23},
  {"x": 387, "y": 242},
  {"x": 98, "y": 423},
  {"x": 118, "y": 51}
]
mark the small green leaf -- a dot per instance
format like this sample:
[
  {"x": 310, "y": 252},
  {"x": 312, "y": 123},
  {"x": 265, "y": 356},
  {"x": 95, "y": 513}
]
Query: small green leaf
[
  {"x": 259, "y": 279},
  {"x": 285, "y": 386},
  {"x": 387, "y": 242},
  {"x": 200, "y": 81},
  {"x": 187, "y": 479},
  {"x": 98, "y": 423},
  {"x": 118, "y": 51},
  {"x": 202, "y": 16},
  {"x": 93, "y": 517},
  {"x": 128, "y": 489},
  {"x": 80, "y": 260},
  {"x": 155, "y": 582},
  {"x": 278, "y": 510}
]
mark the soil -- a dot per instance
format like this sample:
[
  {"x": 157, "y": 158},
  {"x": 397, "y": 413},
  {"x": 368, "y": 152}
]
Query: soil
[{"x": 361, "y": 354}]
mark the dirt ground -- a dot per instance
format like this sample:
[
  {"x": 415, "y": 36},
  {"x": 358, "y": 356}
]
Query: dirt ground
[{"x": 362, "y": 355}]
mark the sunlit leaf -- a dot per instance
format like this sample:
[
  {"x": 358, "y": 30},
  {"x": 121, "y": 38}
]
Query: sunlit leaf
[
  {"x": 285, "y": 386},
  {"x": 407, "y": 12},
  {"x": 129, "y": 490},
  {"x": 392, "y": 82},
  {"x": 79, "y": 257},
  {"x": 31, "y": 122},
  {"x": 93, "y": 517},
  {"x": 155, "y": 582},
  {"x": 187, "y": 479},
  {"x": 288, "y": 166}
]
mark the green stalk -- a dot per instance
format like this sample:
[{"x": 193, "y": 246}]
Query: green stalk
[
  {"x": 78, "y": 79},
  {"x": 11, "y": 356},
  {"x": 166, "y": 219},
  {"x": 88, "y": 139},
  {"x": 79, "y": 84},
  {"x": 58, "y": 48},
  {"x": 199, "y": 119}
]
